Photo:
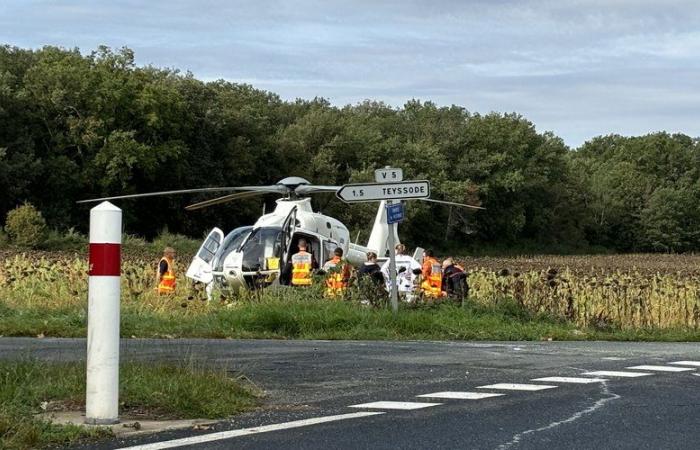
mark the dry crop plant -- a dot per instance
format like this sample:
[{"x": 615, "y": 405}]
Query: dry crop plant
[
  {"x": 605, "y": 292},
  {"x": 626, "y": 292},
  {"x": 50, "y": 281}
]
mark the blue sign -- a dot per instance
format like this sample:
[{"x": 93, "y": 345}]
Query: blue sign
[{"x": 394, "y": 213}]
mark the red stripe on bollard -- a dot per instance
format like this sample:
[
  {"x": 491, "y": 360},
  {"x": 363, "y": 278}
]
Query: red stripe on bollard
[{"x": 105, "y": 260}]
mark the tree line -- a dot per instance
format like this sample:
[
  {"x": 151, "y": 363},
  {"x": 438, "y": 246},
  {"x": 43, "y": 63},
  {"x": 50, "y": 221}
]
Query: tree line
[{"x": 76, "y": 126}]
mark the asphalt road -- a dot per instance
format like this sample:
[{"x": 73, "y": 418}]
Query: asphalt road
[{"x": 322, "y": 379}]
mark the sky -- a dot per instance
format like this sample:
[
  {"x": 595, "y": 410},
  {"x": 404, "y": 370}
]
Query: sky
[{"x": 578, "y": 68}]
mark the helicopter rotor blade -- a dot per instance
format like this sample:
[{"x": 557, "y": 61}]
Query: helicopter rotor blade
[
  {"x": 224, "y": 199},
  {"x": 274, "y": 189},
  {"x": 315, "y": 189},
  {"x": 444, "y": 202}
]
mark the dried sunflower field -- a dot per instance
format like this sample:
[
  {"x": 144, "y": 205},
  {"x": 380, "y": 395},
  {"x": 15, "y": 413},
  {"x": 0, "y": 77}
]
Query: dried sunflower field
[
  {"x": 618, "y": 292},
  {"x": 611, "y": 291}
]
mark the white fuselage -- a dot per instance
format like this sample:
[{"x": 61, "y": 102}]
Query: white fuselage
[{"x": 255, "y": 255}]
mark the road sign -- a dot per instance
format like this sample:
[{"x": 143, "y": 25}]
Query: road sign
[
  {"x": 394, "y": 213},
  {"x": 372, "y": 192},
  {"x": 388, "y": 175}
]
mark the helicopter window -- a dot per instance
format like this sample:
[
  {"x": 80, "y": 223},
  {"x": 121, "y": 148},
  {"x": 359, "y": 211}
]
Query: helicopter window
[
  {"x": 209, "y": 249},
  {"x": 328, "y": 249},
  {"x": 231, "y": 243},
  {"x": 261, "y": 243}
]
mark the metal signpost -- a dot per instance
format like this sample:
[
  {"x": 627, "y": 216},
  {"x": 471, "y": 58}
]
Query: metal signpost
[
  {"x": 389, "y": 186},
  {"x": 394, "y": 214}
]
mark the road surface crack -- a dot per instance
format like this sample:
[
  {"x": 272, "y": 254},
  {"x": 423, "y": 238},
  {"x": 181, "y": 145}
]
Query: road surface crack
[{"x": 609, "y": 396}]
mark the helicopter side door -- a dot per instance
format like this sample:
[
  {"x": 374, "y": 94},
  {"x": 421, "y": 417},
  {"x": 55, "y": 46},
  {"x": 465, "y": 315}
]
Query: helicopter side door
[
  {"x": 200, "y": 268},
  {"x": 288, "y": 228}
]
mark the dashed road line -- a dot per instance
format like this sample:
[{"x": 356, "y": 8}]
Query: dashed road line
[
  {"x": 395, "y": 405},
  {"x": 247, "y": 431},
  {"x": 461, "y": 395},
  {"x": 687, "y": 363},
  {"x": 517, "y": 387},
  {"x": 575, "y": 380},
  {"x": 662, "y": 368},
  {"x": 616, "y": 373}
]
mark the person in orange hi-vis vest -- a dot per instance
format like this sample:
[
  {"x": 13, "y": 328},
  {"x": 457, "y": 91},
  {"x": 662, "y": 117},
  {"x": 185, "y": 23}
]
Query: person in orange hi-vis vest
[
  {"x": 166, "y": 272},
  {"x": 302, "y": 263},
  {"x": 432, "y": 276},
  {"x": 338, "y": 274}
]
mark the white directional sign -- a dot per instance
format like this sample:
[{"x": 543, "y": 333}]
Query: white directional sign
[
  {"x": 372, "y": 192},
  {"x": 388, "y": 175}
]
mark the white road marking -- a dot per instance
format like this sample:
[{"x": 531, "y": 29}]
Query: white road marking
[
  {"x": 395, "y": 405},
  {"x": 613, "y": 358},
  {"x": 687, "y": 363},
  {"x": 615, "y": 373},
  {"x": 575, "y": 380},
  {"x": 517, "y": 387},
  {"x": 461, "y": 395},
  {"x": 662, "y": 368},
  {"x": 576, "y": 416},
  {"x": 247, "y": 431}
]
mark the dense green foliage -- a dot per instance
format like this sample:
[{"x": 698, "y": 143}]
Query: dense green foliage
[
  {"x": 26, "y": 226},
  {"x": 74, "y": 126}
]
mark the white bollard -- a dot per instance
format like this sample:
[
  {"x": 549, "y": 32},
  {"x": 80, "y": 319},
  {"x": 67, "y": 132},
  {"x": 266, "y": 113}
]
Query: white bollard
[{"x": 102, "y": 388}]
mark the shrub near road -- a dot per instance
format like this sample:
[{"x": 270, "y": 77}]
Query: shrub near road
[{"x": 603, "y": 297}]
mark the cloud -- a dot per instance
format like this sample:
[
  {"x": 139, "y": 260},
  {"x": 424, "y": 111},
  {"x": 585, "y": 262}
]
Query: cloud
[{"x": 579, "y": 68}]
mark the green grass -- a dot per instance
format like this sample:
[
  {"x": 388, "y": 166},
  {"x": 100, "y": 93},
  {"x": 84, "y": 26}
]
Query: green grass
[
  {"x": 161, "y": 391},
  {"x": 282, "y": 316}
]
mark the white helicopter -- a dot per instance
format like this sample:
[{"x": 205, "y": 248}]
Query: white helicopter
[{"x": 255, "y": 256}]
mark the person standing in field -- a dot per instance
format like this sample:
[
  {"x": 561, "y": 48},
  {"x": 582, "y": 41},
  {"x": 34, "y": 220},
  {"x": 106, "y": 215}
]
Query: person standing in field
[
  {"x": 166, "y": 272},
  {"x": 454, "y": 279},
  {"x": 302, "y": 264},
  {"x": 371, "y": 269},
  {"x": 431, "y": 276},
  {"x": 338, "y": 274}
]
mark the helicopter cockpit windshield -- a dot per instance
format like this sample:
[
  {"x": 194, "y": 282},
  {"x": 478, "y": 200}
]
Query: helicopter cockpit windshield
[
  {"x": 231, "y": 243},
  {"x": 262, "y": 243}
]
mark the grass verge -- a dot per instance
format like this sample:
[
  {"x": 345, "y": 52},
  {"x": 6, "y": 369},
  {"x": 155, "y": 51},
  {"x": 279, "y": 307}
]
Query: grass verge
[
  {"x": 292, "y": 316},
  {"x": 147, "y": 391}
]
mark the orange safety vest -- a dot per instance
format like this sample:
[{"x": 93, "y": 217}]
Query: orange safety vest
[
  {"x": 337, "y": 280},
  {"x": 301, "y": 269},
  {"x": 428, "y": 263},
  {"x": 432, "y": 285},
  {"x": 166, "y": 282}
]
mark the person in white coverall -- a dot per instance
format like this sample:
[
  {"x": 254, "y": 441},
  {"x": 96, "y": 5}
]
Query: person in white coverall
[{"x": 405, "y": 278}]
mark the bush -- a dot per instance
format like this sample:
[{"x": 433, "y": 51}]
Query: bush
[
  {"x": 4, "y": 240},
  {"x": 184, "y": 246},
  {"x": 71, "y": 240},
  {"x": 26, "y": 226}
]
